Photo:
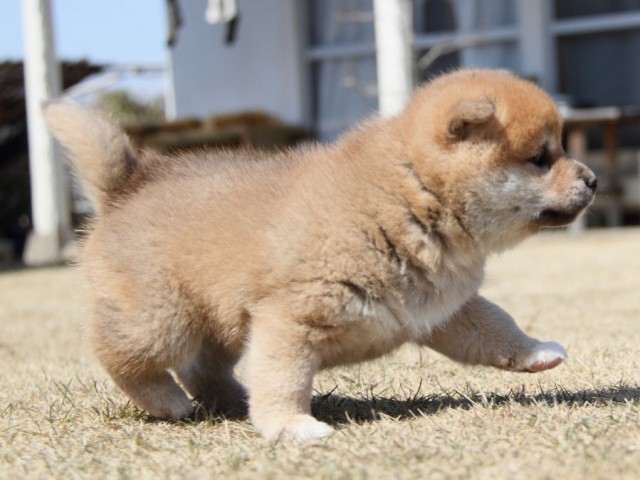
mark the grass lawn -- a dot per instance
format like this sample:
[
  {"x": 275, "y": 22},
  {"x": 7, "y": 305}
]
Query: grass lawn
[{"x": 414, "y": 414}]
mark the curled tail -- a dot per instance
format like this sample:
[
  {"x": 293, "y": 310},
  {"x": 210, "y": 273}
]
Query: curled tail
[{"x": 98, "y": 149}]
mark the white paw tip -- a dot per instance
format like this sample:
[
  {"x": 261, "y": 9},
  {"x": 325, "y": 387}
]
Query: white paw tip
[
  {"x": 547, "y": 355},
  {"x": 296, "y": 428},
  {"x": 309, "y": 431},
  {"x": 554, "y": 348}
]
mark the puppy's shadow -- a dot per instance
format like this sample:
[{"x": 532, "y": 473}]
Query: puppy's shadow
[{"x": 338, "y": 409}]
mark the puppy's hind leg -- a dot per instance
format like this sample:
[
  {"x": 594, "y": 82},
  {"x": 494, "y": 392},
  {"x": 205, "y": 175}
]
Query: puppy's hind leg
[
  {"x": 138, "y": 362},
  {"x": 157, "y": 393},
  {"x": 482, "y": 333},
  {"x": 208, "y": 377}
]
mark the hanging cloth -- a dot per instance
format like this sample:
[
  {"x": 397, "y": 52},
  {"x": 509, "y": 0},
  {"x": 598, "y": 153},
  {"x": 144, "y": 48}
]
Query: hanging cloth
[{"x": 224, "y": 11}]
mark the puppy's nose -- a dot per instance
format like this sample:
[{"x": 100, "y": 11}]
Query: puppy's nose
[{"x": 591, "y": 181}]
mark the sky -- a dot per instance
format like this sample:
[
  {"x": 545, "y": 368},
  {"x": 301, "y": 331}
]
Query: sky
[{"x": 102, "y": 31}]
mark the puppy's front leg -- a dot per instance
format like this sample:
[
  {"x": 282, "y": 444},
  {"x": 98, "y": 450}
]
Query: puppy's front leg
[
  {"x": 482, "y": 333},
  {"x": 280, "y": 367}
]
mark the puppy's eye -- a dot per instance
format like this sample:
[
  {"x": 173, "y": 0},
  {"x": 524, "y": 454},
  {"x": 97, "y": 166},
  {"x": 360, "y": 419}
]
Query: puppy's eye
[{"x": 542, "y": 159}]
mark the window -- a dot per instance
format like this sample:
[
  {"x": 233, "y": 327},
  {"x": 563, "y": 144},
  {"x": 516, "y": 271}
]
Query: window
[
  {"x": 598, "y": 45},
  {"x": 448, "y": 33},
  {"x": 473, "y": 33},
  {"x": 581, "y": 8},
  {"x": 343, "y": 69},
  {"x": 586, "y": 49}
]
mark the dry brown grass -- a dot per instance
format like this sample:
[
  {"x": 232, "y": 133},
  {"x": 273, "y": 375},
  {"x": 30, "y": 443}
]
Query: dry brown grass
[{"x": 411, "y": 415}]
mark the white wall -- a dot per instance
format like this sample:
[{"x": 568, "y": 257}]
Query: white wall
[{"x": 262, "y": 70}]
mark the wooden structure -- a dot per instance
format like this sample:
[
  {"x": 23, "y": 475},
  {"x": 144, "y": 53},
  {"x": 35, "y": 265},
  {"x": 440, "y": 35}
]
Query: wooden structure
[
  {"x": 249, "y": 129},
  {"x": 577, "y": 121}
]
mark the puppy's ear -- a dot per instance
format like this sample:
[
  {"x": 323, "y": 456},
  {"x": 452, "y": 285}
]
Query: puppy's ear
[{"x": 467, "y": 115}]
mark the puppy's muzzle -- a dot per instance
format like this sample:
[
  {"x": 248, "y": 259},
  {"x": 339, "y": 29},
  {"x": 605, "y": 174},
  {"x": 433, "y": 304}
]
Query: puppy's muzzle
[{"x": 578, "y": 199}]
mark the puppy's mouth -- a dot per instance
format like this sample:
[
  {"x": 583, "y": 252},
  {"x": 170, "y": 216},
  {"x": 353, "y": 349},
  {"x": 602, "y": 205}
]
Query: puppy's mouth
[
  {"x": 556, "y": 218},
  {"x": 564, "y": 214}
]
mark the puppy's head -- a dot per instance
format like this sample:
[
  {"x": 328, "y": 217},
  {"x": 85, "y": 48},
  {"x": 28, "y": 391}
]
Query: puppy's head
[{"x": 490, "y": 144}]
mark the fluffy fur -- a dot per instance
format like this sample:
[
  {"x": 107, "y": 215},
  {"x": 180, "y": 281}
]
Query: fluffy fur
[{"x": 319, "y": 256}]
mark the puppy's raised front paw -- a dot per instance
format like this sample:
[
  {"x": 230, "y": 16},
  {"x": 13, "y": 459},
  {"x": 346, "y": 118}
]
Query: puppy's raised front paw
[
  {"x": 544, "y": 356},
  {"x": 296, "y": 427}
]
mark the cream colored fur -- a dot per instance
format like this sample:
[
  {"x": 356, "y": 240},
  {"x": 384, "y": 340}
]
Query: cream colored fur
[{"x": 319, "y": 256}]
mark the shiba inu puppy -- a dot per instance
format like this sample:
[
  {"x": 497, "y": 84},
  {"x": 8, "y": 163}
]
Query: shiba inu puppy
[{"x": 320, "y": 256}]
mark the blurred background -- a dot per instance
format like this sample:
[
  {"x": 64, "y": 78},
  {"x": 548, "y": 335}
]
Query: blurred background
[{"x": 179, "y": 74}]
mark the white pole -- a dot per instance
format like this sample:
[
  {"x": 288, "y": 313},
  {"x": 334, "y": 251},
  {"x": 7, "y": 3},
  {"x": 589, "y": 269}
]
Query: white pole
[
  {"x": 394, "y": 32},
  {"x": 49, "y": 193},
  {"x": 537, "y": 46},
  {"x": 465, "y": 14}
]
